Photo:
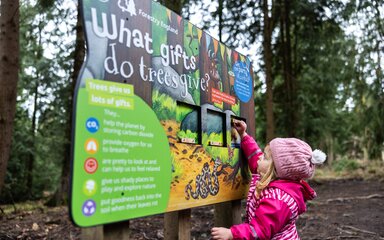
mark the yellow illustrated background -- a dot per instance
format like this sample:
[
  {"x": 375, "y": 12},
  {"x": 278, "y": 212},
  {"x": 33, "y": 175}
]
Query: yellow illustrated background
[{"x": 191, "y": 159}]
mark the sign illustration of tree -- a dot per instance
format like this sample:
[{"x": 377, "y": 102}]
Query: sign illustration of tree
[{"x": 128, "y": 6}]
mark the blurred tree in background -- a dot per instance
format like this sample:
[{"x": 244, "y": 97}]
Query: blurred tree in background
[
  {"x": 327, "y": 59},
  {"x": 46, "y": 62}
]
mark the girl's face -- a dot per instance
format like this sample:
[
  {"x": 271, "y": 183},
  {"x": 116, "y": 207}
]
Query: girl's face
[{"x": 264, "y": 161}]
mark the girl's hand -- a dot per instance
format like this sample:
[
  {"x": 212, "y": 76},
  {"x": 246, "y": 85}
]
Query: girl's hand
[
  {"x": 240, "y": 127},
  {"x": 221, "y": 233}
]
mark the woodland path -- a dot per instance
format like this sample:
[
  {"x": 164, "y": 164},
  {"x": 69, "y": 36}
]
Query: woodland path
[{"x": 344, "y": 209}]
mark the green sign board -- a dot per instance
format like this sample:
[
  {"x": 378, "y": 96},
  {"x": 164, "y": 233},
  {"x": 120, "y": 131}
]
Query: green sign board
[{"x": 153, "y": 108}]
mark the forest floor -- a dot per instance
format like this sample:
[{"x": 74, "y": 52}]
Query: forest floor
[{"x": 344, "y": 209}]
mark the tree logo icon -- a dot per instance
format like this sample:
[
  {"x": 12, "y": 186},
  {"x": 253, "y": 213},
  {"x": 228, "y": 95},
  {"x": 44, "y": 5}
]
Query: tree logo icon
[
  {"x": 89, "y": 187},
  {"x": 127, "y": 6}
]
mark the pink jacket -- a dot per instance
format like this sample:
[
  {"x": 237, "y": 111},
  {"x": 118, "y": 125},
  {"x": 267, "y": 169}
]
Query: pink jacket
[{"x": 274, "y": 214}]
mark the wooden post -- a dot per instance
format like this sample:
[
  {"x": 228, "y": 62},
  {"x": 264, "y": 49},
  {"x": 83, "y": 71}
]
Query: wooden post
[
  {"x": 92, "y": 233},
  {"x": 227, "y": 214},
  {"x": 185, "y": 224},
  {"x": 106, "y": 232},
  {"x": 118, "y": 230},
  {"x": 171, "y": 220},
  {"x": 236, "y": 212},
  {"x": 223, "y": 215},
  {"x": 177, "y": 225}
]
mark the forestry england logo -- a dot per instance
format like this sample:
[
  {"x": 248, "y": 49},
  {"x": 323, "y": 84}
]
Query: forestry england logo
[{"x": 127, "y": 6}]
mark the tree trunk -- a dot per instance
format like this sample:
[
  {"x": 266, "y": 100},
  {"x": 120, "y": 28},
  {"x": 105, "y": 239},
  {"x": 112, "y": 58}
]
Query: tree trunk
[
  {"x": 9, "y": 69},
  {"x": 267, "y": 45},
  {"x": 79, "y": 59},
  {"x": 31, "y": 155},
  {"x": 379, "y": 83},
  {"x": 220, "y": 12},
  {"x": 289, "y": 79}
]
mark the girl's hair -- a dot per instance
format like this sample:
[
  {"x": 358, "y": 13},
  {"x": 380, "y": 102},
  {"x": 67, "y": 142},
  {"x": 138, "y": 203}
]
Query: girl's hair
[{"x": 269, "y": 176}]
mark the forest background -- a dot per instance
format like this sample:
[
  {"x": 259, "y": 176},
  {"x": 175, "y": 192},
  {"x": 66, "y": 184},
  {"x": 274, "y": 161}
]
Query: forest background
[{"x": 318, "y": 76}]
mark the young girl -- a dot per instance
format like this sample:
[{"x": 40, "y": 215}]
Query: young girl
[{"x": 277, "y": 192}]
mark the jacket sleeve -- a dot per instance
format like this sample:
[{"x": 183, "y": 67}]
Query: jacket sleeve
[
  {"x": 251, "y": 151},
  {"x": 270, "y": 217}
]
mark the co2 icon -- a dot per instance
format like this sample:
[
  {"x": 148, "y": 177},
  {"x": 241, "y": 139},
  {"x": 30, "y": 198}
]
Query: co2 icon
[{"x": 92, "y": 125}]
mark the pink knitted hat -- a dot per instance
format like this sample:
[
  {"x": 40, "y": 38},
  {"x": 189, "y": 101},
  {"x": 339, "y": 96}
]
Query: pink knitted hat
[{"x": 294, "y": 159}]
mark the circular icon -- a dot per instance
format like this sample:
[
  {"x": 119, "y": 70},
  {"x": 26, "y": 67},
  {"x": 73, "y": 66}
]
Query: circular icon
[
  {"x": 91, "y": 146},
  {"x": 90, "y": 165},
  {"x": 92, "y": 125},
  {"x": 89, "y": 187},
  {"x": 89, "y": 208}
]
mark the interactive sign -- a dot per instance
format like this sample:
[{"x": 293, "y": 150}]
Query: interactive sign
[{"x": 153, "y": 108}]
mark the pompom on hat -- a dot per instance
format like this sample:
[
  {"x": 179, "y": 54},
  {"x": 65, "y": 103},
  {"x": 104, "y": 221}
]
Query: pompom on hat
[{"x": 294, "y": 158}]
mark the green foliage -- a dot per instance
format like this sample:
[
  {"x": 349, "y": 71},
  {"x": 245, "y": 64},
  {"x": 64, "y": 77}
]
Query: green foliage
[
  {"x": 213, "y": 137},
  {"x": 177, "y": 169},
  {"x": 336, "y": 74},
  {"x": 219, "y": 105},
  {"x": 367, "y": 89},
  {"x": 182, "y": 111},
  {"x": 44, "y": 96},
  {"x": 164, "y": 106},
  {"x": 345, "y": 164},
  {"x": 214, "y": 151},
  {"x": 236, "y": 108},
  {"x": 260, "y": 118},
  {"x": 46, "y": 4},
  {"x": 188, "y": 134},
  {"x": 158, "y": 31},
  {"x": 191, "y": 47},
  {"x": 15, "y": 188},
  {"x": 23, "y": 207}
]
